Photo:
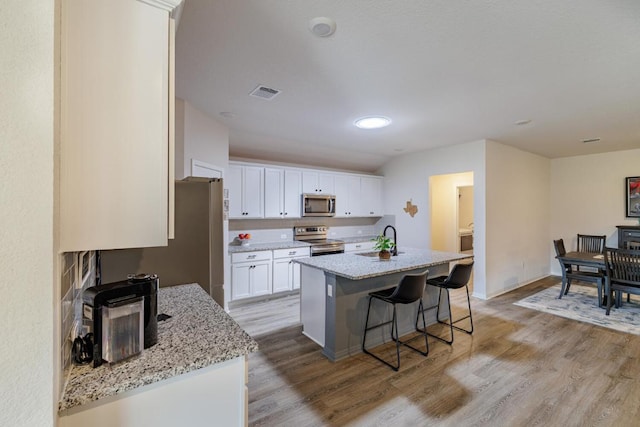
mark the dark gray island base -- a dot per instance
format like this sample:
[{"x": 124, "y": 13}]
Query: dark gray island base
[{"x": 334, "y": 296}]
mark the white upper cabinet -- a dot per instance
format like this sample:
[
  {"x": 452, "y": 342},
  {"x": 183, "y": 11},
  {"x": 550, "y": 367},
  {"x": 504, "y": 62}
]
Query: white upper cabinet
[
  {"x": 282, "y": 190},
  {"x": 273, "y": 193},
  {"x": 116, "y": 107},
  {"x": 246, "y": 191},
  {"x": 279, "y": 189},
  {"x": 347, "y": 191},
  {"x": 317, "y": 182},
  {"x": 371, "y": 196},
  {"x": 292, "y": 193}
]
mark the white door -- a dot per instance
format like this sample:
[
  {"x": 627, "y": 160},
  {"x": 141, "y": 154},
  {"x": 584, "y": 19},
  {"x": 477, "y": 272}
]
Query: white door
[
  {"x": 253, "y": 192},
  {"x": 342, "y": 196},
  {"x": 281, "y": 276},
  {"x": 261, "y": 279},
  {"x": 273, "y": 193},
  {"x": 234, "y": 183},
  {"x": 292, "y": 193},
  {"x": 240, "y": 279}
]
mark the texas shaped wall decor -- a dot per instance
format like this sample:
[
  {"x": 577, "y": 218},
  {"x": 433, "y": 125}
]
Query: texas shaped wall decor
[{"x": 411, "y": 209}]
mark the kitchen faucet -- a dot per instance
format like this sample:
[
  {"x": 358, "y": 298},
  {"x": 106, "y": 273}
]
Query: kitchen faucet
[{"x": 394, "y": 252}]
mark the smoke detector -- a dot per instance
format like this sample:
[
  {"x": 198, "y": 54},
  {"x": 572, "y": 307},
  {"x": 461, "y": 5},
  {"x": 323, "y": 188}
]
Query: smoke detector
[
  {"x": 264, "y": 92},
  {"x": 322, "y": 26}
]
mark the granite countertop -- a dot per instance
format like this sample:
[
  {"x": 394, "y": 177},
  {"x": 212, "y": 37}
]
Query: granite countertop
[
  {"x": 357, "y": 239},
  {"x": 199, "y": 333},
  {"x": 356, "y": 267},
  {"x": 267, "y": 246}
]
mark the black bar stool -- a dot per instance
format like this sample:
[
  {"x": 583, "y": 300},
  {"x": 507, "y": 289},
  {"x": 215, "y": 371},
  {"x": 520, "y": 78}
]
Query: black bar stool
[
  {"x": 458, "y": 277},
  {"x": 409, "y": 290}
]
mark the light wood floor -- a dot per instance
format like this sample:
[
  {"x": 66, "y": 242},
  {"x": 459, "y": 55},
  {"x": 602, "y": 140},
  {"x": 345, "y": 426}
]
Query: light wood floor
[{"x": 520, "y": 368}]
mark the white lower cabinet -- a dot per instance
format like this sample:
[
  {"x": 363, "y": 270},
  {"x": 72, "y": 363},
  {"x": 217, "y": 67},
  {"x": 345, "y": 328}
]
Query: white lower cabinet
[
  {"x": 286, "y": 272},
  {"x": 216, "y": 392},
  {"x": 258, "y": 273},
  {"x": 250, "y": 274}
]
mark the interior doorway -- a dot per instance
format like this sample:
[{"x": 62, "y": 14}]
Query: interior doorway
[
  {"x": 465, "y": 219},
  {"x": 444, "y": 203}
]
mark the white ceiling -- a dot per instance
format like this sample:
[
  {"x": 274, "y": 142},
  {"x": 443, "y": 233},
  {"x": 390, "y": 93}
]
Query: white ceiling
[{"x": 446, "y": 72}]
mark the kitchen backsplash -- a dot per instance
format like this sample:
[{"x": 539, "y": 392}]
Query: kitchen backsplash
[
  {"x": 265, "y": 231},
  {"x": 78, "y": 273}
]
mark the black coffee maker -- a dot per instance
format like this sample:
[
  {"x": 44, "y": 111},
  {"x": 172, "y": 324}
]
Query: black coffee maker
[{"x": 135, "y": 302}]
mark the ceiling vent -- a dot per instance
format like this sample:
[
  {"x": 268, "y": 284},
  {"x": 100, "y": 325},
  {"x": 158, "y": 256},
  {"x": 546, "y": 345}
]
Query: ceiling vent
[
  {"x": 264, "y": 92},
  {"x": 590, "y": 140}
]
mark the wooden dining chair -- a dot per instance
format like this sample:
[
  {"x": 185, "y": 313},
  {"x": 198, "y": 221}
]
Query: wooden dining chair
[
  {"x": 634, "y": 246},
  {"x": 590, "y": 243},
  {"x": 569, "y": 274},
  {"x": 623, "y": 274}
]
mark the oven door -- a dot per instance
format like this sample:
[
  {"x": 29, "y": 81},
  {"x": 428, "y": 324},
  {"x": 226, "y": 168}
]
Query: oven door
[{"x": 327, "y": 250}]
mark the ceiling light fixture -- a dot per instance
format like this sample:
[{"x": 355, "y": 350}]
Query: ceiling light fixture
[
  {"x": 322, "y": 26},
  {"x": 227, "y": 115},
  {"x": 372, "y": 122}
]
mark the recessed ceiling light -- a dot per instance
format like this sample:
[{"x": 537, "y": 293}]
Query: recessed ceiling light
[
  {"x": 372, "y": 122},
  {"x": 523, "y": 122},
  {"x": 590, "y": 140},
  {"x": 322, "y": 26},
  {"x": 227, "y": 115}
]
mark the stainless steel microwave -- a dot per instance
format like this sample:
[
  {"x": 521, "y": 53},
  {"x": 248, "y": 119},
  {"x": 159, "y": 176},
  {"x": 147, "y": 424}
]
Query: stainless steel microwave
[{"x": 318, "y": 205}]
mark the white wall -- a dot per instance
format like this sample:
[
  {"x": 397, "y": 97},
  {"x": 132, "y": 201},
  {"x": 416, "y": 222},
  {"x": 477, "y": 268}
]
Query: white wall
[
  {"x": 203, "y": 139},
  {"x": 444, "y": 206},
  {"x": 587, "y": 196},
  {"x": 407, "y": 178},
  {"x": 517, "y": 226},
  {"x": 27, "y": 42}
]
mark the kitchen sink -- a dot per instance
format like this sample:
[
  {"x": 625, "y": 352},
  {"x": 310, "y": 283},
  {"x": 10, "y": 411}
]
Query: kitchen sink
[{"x": 373, "y": 254}]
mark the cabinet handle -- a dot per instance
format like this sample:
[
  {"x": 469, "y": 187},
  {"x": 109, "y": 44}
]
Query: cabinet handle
[
  {"x": 292, "y": 253},
  {"x": 251, "y": 256}
]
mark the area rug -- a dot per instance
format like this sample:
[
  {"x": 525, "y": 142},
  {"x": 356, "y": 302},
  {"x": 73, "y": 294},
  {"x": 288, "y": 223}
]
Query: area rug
[{"x": 581, "y": 303}]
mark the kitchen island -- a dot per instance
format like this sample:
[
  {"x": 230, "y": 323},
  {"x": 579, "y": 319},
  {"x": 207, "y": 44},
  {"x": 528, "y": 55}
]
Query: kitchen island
[
  {"x": 334, "y": 296},
  {"x": 195, "y": 375}
]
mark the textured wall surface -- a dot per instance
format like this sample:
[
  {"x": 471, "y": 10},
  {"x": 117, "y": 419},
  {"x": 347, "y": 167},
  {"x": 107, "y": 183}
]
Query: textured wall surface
[{"x": 26, "y": 213}]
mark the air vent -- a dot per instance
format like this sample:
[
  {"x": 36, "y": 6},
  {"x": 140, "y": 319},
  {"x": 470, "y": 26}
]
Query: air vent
[
  {"x": 590, "y": 140},
  {"x": 264, "y": 92}
]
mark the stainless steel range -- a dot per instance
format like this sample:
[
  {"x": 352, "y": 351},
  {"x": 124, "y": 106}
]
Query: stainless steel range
[{"x": 317, "y": 236}]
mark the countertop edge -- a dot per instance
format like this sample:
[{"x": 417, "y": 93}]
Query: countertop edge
[{"x": 146, "y": 368}]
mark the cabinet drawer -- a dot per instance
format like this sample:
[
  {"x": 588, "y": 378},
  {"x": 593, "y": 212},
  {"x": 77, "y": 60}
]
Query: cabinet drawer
[
  {"x": 629, "y": 234},
  {"x": 251, "y": 256},
  {"x": 288, "y": 253},
  {"x": 359, "y": 247}
]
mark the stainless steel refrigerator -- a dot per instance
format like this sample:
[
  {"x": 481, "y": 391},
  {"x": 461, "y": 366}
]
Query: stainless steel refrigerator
[{"x": 195, "y": 255}]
